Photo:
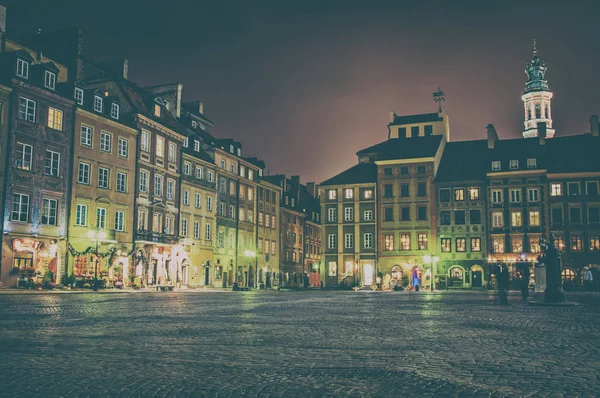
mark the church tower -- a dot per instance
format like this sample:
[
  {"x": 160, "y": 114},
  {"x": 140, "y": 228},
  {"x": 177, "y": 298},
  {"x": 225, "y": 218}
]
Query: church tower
[{"x": 537, "y": 98}]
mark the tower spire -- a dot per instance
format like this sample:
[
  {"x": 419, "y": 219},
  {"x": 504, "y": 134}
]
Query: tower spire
[
  {"x": 537, "y": 97},
  {"x": 439, "y": 96},
  {"x": 534, "y": 48}
]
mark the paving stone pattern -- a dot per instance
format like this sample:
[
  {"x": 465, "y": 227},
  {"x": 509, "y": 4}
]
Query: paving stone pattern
[{"x": 295, "y": 343}]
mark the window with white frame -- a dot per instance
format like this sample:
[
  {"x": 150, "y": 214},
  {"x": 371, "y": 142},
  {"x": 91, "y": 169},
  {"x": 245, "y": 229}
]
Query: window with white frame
[
  {"x": 497, "y": 219},
  {"x": 156, "y": 110},
  {"x": 186, "y": 197},
  {"x": 86, "y": 135},
  {"x": 22, "y": 68},
  {"x": 142, "y": 220},
  {"x": 24, "y": 156},
  {"x": 515, "y": 195},
  {"x": 514, "y": 164},
  {"x": 196, "y": 229},
  {"x": 169, "y": 225},
  {"x": 186, "y": 142},
  {"x": 534, "y": 218},
  {"x": 49, "y": 209},
  {"x": 348, "y": 193},
  {"x": 160, "y": 147},
  {"x": 556, "y": 189},
  {"x": 187, "y": 168},
  {"x": 207, "y": 235},
  {"x": 101, "y": 218},
  {"x": 158, "y": 181},
  {"x": 251, "y": 174},
  {"x": 78, "y": 95},
  {"x": 49, "y": 80},
  {"x": 199, "y": 172},
  {"x": 194, "y": 124},
  {"x": 105, "y": 141},
  {"x": 368, "y": 240},
  {"x": 531, "y": 163},
  {"x": 209, "y": 203},
  {"x": 332, "y": 194},
  {"x": 52, "y": 164},
  {"x": 232, "y": 168},
  {"x": 495, "y": 165},
  {"x": 533, "y": 194},
  {"x": 98, "y": 103},
  {"x": 26, "y": 109},
  {"x": 348, "y": 214},
  {"x": 114, "y": 110},
  {"x": 332, "y": 241},
  {"x": 123, "y": 147},
  {"x": 103, "y": 177},
  {"x": 81, "y": 215},
  {"x": 349, "y": 241},
  {"x": 331, "y": 214},
  {"x": 368, "y": 215},
  {"x": 184, "y": 227},
  {"x": 143, "y": 181},
  {"x": 119, "y": 220},
  {"x": 198, "y": 200},
  {"x": 83, "y": 173},
  {"x": 197, "y": 147},
  {"x": 210, "y": 176},
  {"x": 170, "y": 189},
  {"x": 496, "y": 196},
  {"x": 145, "y": 141},
  {"x": 171, "y": 151},
  {"x": 121, "y": 181},
  {"x": 55, "y": 118}
]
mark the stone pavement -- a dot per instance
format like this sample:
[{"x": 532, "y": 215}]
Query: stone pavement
[{"x": 296, "y": 343}]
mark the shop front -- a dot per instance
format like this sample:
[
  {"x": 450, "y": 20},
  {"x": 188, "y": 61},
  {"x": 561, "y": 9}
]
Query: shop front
[
  {"x": 32, "y": 262},
  {"x": 161, "y": 265}
]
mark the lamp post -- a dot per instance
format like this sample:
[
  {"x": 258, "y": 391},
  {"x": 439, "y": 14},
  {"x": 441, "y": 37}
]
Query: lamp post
[
  {"x": 97, "y": 234},
  {"x": 250, "y": 253},
  {"x": 427, "y": 259}
]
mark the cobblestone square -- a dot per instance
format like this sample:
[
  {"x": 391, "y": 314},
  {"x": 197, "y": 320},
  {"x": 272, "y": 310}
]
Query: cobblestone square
[{"x": 295, "y": 343}]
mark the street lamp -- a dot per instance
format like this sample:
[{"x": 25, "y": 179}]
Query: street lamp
[
  {"x": 97, "y": 235},
  {"x": 250, "y": 253},
  {"x": 427, "y": 259}
]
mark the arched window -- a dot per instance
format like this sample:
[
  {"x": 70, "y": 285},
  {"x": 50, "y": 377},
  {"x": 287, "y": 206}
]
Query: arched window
[
  {"x": 568, "y": 274},
  {"x": 538, "y": 111},
  {"x": 396, "y": 272}
]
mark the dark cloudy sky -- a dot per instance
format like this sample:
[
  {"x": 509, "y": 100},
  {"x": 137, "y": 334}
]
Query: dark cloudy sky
[{"x": 306, "y": 84}]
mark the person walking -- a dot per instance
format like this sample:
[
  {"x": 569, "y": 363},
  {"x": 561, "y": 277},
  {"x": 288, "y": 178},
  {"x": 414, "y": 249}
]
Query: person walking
[
  {"x": 524, "y": 282},
  {"x": 503, "y": 283}
]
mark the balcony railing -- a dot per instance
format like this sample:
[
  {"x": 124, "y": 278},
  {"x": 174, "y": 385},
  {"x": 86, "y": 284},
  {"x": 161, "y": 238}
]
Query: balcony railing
[{"x": 157, "y": 237}]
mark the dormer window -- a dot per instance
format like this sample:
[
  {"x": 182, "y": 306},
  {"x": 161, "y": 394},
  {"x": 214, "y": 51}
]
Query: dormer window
[
  {"x": 22, "y": 68},
  {"x": 196, "y": 145},
  {"x": 156, "y": 110},
  {"x": 50, "y": 80},
  {"x": 98, "y": 103},
  {"x": 260, "y": 172},
  {"x": 495, "y": 165},
  {"x": 531, "y": 163},
  {"x": 231, "y": 148},
  {"x": 239, "y": 152},
  {"x": 194, "y": 124},
  {"x": 78, "y": 95},
  {"x": 186, "y": 142},
  {"x": 114, "y": 111},
  {"x": 514, "y": 164}
]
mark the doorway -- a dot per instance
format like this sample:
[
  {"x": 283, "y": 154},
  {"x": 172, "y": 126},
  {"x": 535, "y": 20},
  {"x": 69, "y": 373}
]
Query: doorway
[
  {"x": 367, "y": 275},
  {"x": 476, "y": 278}
]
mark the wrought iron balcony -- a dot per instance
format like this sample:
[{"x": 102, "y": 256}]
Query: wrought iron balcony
[{"x": 157, "y": 237}]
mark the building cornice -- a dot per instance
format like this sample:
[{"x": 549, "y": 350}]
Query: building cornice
[
  {"x": 404, "y": 161},
  {"x": 516, "y": 173},
  {"x": 104, "y": 119},
  {"x": 574, "y": 175},
  {"x": 157, "y": 126}
]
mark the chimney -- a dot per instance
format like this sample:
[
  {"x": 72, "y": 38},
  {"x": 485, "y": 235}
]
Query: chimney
[
  {"x": 492, "y": 136},
  {"x": 392, "y": 116},
  {"x": 125, "y": 68},
  {"x": 541, "y": 128},
  {"x": 2, "y": 20},
  {"x": 594, "y": 125},
  {"x": 310, "y": 187},
  {"x": 201, "y": 108}
]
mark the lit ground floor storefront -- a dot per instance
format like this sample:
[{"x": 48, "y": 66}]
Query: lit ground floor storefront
[
  {"x": 32, "y": 261},
  {"x": 109, "y": 263},
  {"x": 160, "y": 264},
  {"x": 349, "y": 270}
]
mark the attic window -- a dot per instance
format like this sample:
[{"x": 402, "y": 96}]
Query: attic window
[
  {"x": 50, "y": 80},
  {"x": 98, "y": 103},
  {"x": 531, "y": 163},
  {"x": 231, "y": 148},
  {"x": 496, "y": 165},
  {"x": 194, "y": 124},
  {"x": 239, "y": 152},
  {"x": 79, "y": 95},
  {"x": 514, "y": 164},
  {"x": 22, "y": 68},
  {"x": 157, "y": 110},
  {"x": 114, "y": 111}
]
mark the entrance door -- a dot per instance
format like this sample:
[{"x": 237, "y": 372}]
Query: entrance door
[
  {"x": 206, "y": 276},
  {"x": 476, "y": 278},
  {"x": 225, "y": 279},
  {"x": 367, "y": 275},
  {"x": 154, "y": 271}
]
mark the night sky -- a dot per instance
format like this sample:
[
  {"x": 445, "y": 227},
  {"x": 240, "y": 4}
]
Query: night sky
[{"x": 306, "y": 84}]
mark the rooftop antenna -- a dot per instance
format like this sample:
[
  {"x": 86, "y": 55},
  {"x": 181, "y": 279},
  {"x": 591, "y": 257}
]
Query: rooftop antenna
[{"x": 439, "y": 96}]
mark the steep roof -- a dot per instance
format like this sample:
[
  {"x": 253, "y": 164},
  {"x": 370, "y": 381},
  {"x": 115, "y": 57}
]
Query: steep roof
[
  {"x": 412, "y": 119},
  {"x": 358, "y": 174},
  {"x": 573, "y": 154},
  {"x": 404, "y": 148},
  {"x": 463, "y": 161}
]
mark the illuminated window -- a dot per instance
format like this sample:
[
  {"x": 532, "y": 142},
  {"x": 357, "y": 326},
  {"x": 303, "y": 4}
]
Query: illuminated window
[
  {"x": 514, "y": 164},
  {"x": 567, "y": 274},
  {"x": 475, "y": 244},
  {"x": 516, "y": 244},
  {"x": 156, "y": 110},
  {"x": 160, "y": 147},
  {"x": 516, "y": 219},
  {"x": 55, "y": 118},
  {"x": 534, "y": 244},
  {"x": 576, "y": 243},
  {"x": 368, "y": 194},
  {"x": 461, "y": 245},
  {"x": 446, "y": 244},
  {"x": 404, "y": 242},
  {"x": 531, "y": 163},
  {"x": 534, "y": 218},
  {"x": 556, "y": 189},
  {"x": 459, "y": 194},
  {"x": 473, "y": 193},
  {"x": 389, "y": 242},
  {"x": 422, "y": 241},
  {"x": 495, "y": 165},
  {"x": 24, "y": 155},
  {"x": 594, "y": 242},
  {"x": 348, "y": 193},
  {"x": 498, "y": 244}
]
